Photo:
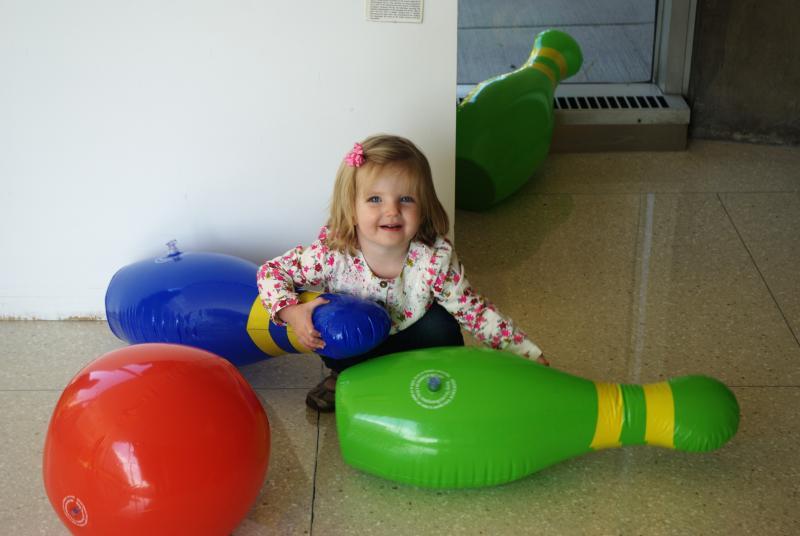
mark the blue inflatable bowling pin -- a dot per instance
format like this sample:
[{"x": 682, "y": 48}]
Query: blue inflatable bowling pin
[{"x": 210, "y": 301}]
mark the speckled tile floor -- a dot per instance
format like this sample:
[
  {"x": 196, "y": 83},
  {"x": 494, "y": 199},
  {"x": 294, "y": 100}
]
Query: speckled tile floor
[{"x": 623, "y": 267}]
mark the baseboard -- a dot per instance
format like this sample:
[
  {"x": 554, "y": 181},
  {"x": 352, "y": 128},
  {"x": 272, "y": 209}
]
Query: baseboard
[
  {"x": 570, "y": 138},
  {"x": 618, "y": 117}
]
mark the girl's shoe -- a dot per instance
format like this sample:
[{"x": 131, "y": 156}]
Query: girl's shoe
[{"x": 323, "y": 397}]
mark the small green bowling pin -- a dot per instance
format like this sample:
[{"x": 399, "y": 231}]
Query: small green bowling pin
[
  {"x": 504, "y": 126},
  {"x": 470, "y": 417}
]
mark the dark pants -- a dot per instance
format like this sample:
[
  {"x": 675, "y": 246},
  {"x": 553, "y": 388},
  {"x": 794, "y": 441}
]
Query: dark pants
[{"x": 437, "y": 327}]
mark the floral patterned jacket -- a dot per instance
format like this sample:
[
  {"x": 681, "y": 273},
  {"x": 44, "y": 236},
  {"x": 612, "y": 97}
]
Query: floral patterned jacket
[{"x": 430, "y": 273}]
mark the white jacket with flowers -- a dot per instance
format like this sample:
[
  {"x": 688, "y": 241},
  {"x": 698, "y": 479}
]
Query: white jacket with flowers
[{"x": 430, "y": 274}]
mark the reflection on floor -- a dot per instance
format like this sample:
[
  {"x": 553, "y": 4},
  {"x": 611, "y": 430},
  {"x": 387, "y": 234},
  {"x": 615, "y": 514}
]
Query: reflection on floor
[{"x": 623, "y": 267}]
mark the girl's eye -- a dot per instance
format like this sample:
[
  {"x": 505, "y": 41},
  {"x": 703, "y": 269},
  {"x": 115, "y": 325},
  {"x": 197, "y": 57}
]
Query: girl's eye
[
  {"x": 407, "y": 199},
  {"x": 374, "y": 199}
]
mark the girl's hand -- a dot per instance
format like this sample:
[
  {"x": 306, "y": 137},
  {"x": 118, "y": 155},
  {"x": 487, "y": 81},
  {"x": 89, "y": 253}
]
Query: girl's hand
[
  {"x": 542, "y": 360},
  {"x": 298, "y": 316}
]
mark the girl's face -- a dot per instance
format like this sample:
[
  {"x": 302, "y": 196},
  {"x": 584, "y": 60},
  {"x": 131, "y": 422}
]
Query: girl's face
[{"x": 387, "y": 208}]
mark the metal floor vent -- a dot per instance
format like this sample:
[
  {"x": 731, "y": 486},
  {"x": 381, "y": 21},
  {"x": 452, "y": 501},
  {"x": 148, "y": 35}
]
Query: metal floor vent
[
  {"x": 621, "y": 102},
  {"x": 610, "y": 103}
]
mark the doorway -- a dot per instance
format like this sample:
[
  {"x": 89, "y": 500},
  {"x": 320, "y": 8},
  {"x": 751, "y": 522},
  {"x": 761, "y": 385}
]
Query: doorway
[{"x": 629, "y": 93}]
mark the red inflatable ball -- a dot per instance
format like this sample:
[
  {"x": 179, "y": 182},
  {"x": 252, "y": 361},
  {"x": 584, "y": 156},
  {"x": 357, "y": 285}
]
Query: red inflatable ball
[{"x": 156, "y": 439}]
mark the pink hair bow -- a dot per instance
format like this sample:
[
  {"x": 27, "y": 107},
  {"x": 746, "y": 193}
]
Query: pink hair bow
[{"x": 355, "y": 158}]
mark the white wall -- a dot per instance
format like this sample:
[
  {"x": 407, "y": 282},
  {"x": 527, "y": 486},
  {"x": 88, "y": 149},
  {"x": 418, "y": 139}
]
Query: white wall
[{"x": 217, "y": 122}]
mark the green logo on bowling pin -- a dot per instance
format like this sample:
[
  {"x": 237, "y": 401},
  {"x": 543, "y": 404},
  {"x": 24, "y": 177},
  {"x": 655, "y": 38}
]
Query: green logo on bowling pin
[{"x": 433, "y": 389}]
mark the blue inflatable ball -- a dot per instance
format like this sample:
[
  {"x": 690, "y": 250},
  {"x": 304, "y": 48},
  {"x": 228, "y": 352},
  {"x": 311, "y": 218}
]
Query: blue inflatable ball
[{"x": 349, "y": 325}]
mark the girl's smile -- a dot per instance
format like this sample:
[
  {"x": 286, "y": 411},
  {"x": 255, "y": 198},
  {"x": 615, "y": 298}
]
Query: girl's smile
[{"x": 387, "y": 211}]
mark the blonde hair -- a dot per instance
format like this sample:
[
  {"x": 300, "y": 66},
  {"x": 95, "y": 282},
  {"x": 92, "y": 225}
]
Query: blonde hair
[{"x": 385, "y": 150}]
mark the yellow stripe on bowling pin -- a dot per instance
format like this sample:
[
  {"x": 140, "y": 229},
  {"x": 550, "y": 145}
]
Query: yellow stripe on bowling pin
[
  {"x": 258, "y": 329},
  {"x": 660, "y": 428},
  {"x": 554, "y": 55},
  {"x": 546, "y": 70},
  {"x": 308, "y": 296},
  {"x": 609, "y": 416}
]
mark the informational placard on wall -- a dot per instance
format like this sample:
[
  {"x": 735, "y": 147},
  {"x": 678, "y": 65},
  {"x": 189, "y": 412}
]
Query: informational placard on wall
[{"x": 394, "y": 10}]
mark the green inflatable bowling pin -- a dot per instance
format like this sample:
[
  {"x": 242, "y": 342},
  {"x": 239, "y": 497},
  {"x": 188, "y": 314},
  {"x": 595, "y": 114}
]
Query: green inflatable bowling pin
[
  {"x": 504, "y": 126},
  {"x": 469, "y": 417}
]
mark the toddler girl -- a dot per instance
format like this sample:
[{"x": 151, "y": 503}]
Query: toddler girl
[{"x": 385, "y": 241}]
